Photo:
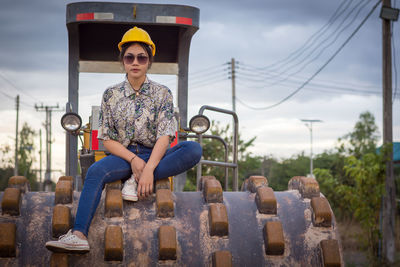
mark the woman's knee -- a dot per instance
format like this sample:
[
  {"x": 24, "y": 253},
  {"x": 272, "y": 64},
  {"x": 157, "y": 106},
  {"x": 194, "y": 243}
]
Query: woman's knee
[
  {"x": 194, "y": 150},
  {"x": 96, "y": 172}
]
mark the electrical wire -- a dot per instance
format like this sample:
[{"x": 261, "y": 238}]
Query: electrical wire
[
  {"x": 333, "y": 89},
  {"x": 210, "y": 69},
  {"x": 364, "y": 93},
  {"x": 199, "y": 75},
  {"x": 254, "y": 84},
  {"x": 8, "y": 96},
  {"x": 249, "y": 70},
  {"x": 318, "y": 45},
  {"x": 15, "y": 87},
  {"x": 322, "y": 50},
  {"x": 250, "y": 83},
  {"x": 13, "y": 99},
  {"x": 316, "y": 35},
  {"x": 323, "y": 66},
  {"x": 207, "y": 77},
  {"x": 196, "y": 87}
]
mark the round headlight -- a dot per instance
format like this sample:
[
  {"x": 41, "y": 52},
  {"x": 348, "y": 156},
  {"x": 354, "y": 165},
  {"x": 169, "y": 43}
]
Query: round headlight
[
  {"x": 71, "y": 122},
  {"x": 199, "y": 124}
]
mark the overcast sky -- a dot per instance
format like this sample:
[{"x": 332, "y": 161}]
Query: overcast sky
[{"x": 278, "y": 46}]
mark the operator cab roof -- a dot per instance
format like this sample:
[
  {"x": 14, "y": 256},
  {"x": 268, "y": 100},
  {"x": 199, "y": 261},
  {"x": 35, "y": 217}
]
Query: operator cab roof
[{"x": 99, "y": 26}]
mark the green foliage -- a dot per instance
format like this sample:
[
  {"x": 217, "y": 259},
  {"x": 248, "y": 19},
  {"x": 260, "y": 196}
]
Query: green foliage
[
  {"x": 332, "y": 161},
  {"x": 328, "y": 185},
  {"x": 353, "y": 179},
  {"x": 364, "y": 198},
  {"x": 26, "y": 157},
  {"x": 397, "y": 183},
  {"x": 363, "y": 139},
  {"x": 190, "y": 185},
  {"x": 5, "y": 174},
  {"x": 279, "y": 174},
  {"x": 214, "y": 150},
  {"x": 5, "y": 160}
]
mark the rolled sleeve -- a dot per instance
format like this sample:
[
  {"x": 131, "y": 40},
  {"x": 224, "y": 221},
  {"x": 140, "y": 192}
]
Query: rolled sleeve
[
  {"x": 106, "y": 130},
  {"x": 167, "y": 124}
]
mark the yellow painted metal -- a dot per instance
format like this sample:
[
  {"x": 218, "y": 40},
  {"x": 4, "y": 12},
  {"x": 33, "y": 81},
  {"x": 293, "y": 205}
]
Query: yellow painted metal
[
  {"x": 171, "y": 182},
  {"x": 86, "y": 137},
  {"x": 98, "y": 155}
]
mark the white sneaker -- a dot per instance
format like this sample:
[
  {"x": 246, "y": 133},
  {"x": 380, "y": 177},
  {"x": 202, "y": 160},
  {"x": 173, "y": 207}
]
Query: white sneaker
[
  {"x": 68, "y": 243},
  {"x": 129, "y": 191}
]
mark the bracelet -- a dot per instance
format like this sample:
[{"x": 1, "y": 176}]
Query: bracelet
[{"x": 133, "y": 158}]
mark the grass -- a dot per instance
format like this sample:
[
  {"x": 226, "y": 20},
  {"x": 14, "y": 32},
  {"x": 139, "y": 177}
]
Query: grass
[{"x": 354, "y": 252}]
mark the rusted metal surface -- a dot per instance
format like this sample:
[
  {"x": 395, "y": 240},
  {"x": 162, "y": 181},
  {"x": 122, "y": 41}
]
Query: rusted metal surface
[
  {"x": 33, "y": 230},
  {"x": 195, "y": 246}
]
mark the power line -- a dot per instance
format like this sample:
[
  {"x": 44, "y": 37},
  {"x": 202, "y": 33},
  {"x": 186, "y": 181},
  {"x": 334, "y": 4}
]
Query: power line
[
  {"x": 314, "y": 84},
  {"x": 209, "y": 69},
  {"x": 304, "y": 47},
  {"x": 318, "y": 45},
  {"x": 332, "y": 89},
  {"x": 255, "y": 84},
  {"x": 249, "y": 70},
  {"x": 207, "y": 77},
  {"x": 12, "y": 98},
  {"x": 16, "y": 87},
  {"x": 350, "y": 92},
  {"x": 322, "y": 50},
  {"x": 324, "y": 65},
  {"x": 215, "y": 81},
  {"x": 199, "y": 75},
  {"x": 6, "y": 95},
  {"x": 212, "y": 78}
]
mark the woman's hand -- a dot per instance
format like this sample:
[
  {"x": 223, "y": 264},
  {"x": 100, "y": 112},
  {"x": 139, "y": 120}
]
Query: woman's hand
[
  {"x": 145, "y": 185},
  {"x": 137, "y": 165},
  {"x": 146, "y": 178}
]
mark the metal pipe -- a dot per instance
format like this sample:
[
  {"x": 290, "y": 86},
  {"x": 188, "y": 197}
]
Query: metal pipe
[
  {"x": 226, "y": 152},
  {"x": 199, "y": 166},
  {"x": 218, "y": 163},
  {"x": 235, "y": 139}
]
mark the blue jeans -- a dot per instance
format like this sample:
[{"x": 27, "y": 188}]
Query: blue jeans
[{"x": 176, "y": 160}]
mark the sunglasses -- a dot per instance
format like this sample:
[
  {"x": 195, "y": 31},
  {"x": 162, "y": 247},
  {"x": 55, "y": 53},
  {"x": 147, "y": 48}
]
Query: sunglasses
[{"x": 130, "y": 58}]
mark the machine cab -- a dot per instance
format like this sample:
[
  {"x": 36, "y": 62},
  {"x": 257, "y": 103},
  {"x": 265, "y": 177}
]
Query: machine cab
[{"x": 171, "y": 28}]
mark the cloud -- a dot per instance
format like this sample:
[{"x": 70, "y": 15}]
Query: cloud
[
  {"x": 257, "y": 33},
  {"x": 32, "y": 35}
]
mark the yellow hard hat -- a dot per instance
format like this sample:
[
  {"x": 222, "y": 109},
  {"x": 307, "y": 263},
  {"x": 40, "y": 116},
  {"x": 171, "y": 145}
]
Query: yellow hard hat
[{"x": 137, "y": 35}]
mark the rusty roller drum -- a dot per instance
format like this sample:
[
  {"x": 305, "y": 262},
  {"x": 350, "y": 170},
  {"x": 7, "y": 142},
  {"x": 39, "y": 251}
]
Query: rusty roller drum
[{"x": 201, "y": 230}]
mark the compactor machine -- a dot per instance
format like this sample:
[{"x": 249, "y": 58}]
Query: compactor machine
[{"x": 256, "y": 226}]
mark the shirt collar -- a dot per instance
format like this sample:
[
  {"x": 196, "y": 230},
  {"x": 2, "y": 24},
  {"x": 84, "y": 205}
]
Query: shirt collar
[{"x": 144, "y": 89}]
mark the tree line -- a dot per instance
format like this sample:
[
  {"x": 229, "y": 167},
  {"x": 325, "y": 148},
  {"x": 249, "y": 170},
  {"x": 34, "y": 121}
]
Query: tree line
[{"x": 26, "y": 157}]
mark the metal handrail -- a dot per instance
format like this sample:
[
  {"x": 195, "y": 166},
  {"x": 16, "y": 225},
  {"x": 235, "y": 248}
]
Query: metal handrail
[
  {"x": 234, "y": 164},
  {"x": 207, "y": 162}
]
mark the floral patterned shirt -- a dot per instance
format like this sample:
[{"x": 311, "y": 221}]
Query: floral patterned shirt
[{"x": 131, "y": 119}]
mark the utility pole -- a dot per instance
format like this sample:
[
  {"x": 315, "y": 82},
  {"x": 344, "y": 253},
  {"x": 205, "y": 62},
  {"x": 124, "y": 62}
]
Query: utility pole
[
  {"x": 309, "y": 123},
  {"x": 389, "y": 200},
  {"x": 233, "y": 78},
  {"x": 48, "y": 110},
  {"x": 233, "y": 85},
  {"x": 16, "y": 139},
  {"x": 40, "y": 164}
]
